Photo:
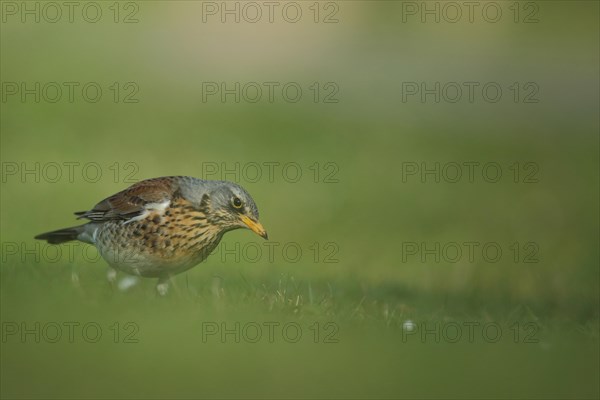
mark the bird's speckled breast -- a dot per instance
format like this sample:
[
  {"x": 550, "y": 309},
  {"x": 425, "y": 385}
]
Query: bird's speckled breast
[{"x": 163, "y": 242}]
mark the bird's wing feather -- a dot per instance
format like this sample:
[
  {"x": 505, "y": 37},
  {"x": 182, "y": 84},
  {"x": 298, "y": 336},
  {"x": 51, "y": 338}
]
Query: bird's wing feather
[{"x": 133, "y": 201}]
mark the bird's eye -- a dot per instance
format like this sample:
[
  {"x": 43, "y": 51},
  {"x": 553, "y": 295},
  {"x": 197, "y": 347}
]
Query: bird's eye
[{"x": 236, "y": 202}]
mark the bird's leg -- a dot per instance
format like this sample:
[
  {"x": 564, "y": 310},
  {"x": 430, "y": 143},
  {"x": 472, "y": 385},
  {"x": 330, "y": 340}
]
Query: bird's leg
[
  {"x": 111, "y": 278},
  {"x": 75, "y": 277},
  {"x": 162, "y": 287},
  {"x": 111, "y": 275},
  {"x": 75, "y": 280}
]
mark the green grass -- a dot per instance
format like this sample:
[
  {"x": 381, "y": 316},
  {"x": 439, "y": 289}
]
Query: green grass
[{"x": 361, "y": 349}]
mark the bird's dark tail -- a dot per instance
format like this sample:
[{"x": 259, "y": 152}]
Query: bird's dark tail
[{"x": 61, "y": 235}]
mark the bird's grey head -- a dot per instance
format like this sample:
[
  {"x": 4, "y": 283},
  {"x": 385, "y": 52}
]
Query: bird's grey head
[{"x": 228, "y": 205}]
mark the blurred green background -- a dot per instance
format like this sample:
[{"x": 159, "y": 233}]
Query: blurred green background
[{"x": 374, "y": 292}]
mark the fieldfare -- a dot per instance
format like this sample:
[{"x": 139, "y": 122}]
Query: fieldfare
[{"x": 163, "y": 226}]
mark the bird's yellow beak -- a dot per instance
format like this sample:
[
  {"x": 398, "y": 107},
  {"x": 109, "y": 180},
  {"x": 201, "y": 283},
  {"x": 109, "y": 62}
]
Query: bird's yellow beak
[{"x": 254, "y": 226}]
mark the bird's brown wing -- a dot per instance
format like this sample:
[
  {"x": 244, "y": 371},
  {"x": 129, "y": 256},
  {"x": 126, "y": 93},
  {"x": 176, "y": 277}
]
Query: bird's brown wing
[{"x": 133, "y": 201}]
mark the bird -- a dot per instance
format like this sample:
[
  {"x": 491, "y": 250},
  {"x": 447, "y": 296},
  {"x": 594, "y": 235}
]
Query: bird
[{"x": 160, "y": 227}]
